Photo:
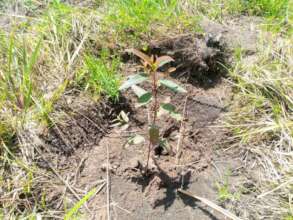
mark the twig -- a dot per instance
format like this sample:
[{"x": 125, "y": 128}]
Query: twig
[
  {"x": 62, "y": 180},
  {"x": 108, "y": 186},
  {"x": 211, "y": 204},
  {"x": 182, "y": 130},
  {"x": 78, "y": 170},
  {"x": 64, "y": 140},
  {"x": 123, "y": 209},
  {"x": 148, "y": 157},
  {"x": 21, "y": 16},
  {"x": 75, "y": 54},
  {"x": 101, "y": 128},
  {"x": 275, "y": 189},
  {"x": 98, "y": 190}
]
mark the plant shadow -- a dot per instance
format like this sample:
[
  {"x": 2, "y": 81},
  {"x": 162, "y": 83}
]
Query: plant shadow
[{"x": 171, "y": 185}]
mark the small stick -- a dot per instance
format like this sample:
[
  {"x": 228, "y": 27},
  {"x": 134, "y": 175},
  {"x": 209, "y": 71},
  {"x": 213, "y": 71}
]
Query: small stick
[
  {"x": 60, "y": 178},
  {"x": 275, "y": 189},
  {"x": 123, "y": 209},
  {"x": 148, "y": 157},
  {"x": 211, "y": 204},
  {"x": 98, "y": 191},
  {"x": 108, "y": 186},
  {"x": 78, "y": 170},
  {"x": 182, "y": 129}
]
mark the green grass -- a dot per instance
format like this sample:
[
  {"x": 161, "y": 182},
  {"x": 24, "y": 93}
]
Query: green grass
[
  {"x": 278, "y": 14},
  {"x": 133, "y": 20},
  {"x": 224, "y": 191},
  {"x": 267, "y": 8},
  {"x": 289, "y": 217},
  {"x": 72, "y": 213},
  {"x": 100, "y": 75},
  {"x": 16, "y": 83}
]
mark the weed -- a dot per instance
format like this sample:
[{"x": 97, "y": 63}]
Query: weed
[
  {"x": 224, "y": 192},
  {"x": 288, "y": 217},
  {"x": 17, "y": 79},
  {"x": 151, "y": 66},
  {"x": 267, "y": 89}
]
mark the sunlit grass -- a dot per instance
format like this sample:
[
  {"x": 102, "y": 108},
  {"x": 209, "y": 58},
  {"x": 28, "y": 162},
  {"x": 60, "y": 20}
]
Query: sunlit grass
[
  {"x": 277, "y": 14},
  {"x": 101, "y": 76},
  {"x": 133, "y": 20}
]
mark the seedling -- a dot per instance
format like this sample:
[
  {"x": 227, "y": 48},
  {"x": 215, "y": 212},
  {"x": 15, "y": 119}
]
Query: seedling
[
  {"x": 121, "y": 121},
  {"x": 151, "y": 74}
]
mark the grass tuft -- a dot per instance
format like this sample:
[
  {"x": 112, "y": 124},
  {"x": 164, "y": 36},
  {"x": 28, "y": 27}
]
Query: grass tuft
[
  {"x": 131, "y": 21},
  {"x": 100, "y": 75}
]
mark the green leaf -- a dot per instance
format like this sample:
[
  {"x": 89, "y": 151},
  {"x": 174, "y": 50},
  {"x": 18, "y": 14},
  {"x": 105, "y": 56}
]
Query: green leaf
[
  {"x": 171, "y": 109},
  {"x": 133, "y": 80},
  {"x": 80, "y": 203},
  {"x": 143, "y": 96},
  {"x": 168, "y": 107},
  {"x": 172, "y": 85}
]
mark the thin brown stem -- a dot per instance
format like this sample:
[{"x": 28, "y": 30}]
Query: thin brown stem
[
  {"x": 155, "y": 112},
  {"x": 155, "y": 95},
  {"x": 148, "y": 158}
]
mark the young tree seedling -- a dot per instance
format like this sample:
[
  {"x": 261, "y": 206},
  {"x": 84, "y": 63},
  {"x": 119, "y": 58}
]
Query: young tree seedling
[{"x": 151, "y": 74}]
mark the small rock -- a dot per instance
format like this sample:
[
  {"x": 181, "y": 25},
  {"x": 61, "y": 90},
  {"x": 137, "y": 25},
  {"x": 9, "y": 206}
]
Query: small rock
[
  {"x": 104, "y": 167},
  {"x": 134, "y": 163}
]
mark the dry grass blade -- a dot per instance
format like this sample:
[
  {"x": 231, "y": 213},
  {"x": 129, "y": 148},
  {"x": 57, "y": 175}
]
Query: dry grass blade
[
  {"x": 211, "y": 204},
  {"x": 181, "y": 133},
  {"x": 275, "y": 189},
  {"x": 108, "y": 186}
]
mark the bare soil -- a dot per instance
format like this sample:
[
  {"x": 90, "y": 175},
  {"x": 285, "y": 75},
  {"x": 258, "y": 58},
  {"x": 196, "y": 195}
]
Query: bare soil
[{"x": 79, "y": 144}]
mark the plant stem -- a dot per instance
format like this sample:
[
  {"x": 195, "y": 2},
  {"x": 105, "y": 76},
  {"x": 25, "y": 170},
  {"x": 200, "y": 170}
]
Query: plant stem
[
  {"x": 155, "y": 95},
  {"x": 155, "y": 112}
]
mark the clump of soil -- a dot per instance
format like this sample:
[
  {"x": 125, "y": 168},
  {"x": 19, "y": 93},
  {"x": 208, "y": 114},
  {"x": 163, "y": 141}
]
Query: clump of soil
[{"x": 197, "y": 57}]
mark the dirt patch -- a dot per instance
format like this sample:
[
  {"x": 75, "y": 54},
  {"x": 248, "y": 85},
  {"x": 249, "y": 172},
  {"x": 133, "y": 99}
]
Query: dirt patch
[
  {"x": 83, "y": 138},
  {"x": 159, "y": 189}
]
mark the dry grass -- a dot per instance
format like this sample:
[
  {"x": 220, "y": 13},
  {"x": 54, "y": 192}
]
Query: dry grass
[{"x": 262, "y": 118}]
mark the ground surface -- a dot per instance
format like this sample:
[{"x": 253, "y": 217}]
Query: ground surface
[
  {"x": 85, "y": 135},
  {"x": 235, "y": 152}
]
